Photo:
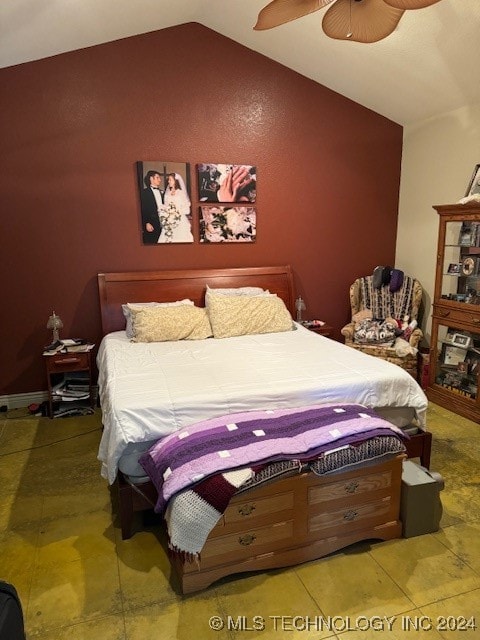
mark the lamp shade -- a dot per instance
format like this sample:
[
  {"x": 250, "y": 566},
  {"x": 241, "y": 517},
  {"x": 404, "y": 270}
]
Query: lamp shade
[{"x": 55, "y": 323}]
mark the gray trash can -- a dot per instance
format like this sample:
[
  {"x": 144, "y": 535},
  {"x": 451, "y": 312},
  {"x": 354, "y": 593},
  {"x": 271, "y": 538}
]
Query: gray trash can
[{"x": 420, "y": 505}]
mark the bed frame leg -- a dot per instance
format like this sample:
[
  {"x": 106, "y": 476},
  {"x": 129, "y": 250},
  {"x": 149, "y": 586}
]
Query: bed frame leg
[
  {"x": 125, "y": 507},
  {"x": 426, "y": 450},
  {"x": 420, "y": 446}
]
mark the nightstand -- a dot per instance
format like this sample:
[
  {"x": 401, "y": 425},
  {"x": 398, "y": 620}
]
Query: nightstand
[
  {"x": 69, "y": 375},
  {"x": 323, "y": 330}
]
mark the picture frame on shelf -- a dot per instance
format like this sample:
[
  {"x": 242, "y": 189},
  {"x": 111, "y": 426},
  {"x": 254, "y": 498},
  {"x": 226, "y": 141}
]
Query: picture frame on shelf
[
  {"x": 462, "y": 367},
  {"x": 454, "y": 268},
  {"x": 474, "y": 184},
  {"x": 473, "y": 364},
  {"x": 454, "y": 355},
  {"x": 461, "y": 340},
  {"x": 467, "y": 235},
  {"x": 471, "y": 266},
  {"x": 449, "y": 336}
]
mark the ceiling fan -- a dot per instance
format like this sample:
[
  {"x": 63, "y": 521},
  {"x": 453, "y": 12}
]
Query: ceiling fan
[{"x": 357, "y": 20}]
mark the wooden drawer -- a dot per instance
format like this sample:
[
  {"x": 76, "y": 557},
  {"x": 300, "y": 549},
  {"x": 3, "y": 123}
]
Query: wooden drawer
[
  {"x": 453, "y": 315},
  {"x": 246, "y": 543},
  {"x": 349, "y": 518},
  {"x": 68, "y": 362},
  {"x": 284, "y": 534},
  {"x": 357, "y": 486},
  {"x": 247, "y": 510}
]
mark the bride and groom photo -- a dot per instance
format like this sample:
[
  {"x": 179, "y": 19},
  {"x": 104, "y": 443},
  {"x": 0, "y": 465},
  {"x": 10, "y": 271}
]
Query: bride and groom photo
[
  {"x": 166, "y": 208},
  {"x": 165, "y": 202}
]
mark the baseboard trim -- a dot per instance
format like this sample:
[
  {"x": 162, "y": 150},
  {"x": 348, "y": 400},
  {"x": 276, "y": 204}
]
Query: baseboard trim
[{"x": 18, "y": 400}]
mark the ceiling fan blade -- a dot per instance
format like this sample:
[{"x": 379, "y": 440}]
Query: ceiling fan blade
[
  {"x": 361, "y": 20},
  {"x": 410, "y": 4},
  {"x": 280, "y": 11}
]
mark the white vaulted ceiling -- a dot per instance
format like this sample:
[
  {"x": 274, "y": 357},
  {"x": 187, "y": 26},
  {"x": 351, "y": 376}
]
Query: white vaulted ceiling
[{"x": 430, "y": 64}]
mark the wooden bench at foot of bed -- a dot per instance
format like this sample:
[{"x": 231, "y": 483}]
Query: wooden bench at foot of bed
[
  {"x": 131, "y": 500},
  {"x": 296, "y": 519}
]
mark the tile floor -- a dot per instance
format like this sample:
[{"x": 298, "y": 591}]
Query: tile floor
[{"x": 78, "y": 580}]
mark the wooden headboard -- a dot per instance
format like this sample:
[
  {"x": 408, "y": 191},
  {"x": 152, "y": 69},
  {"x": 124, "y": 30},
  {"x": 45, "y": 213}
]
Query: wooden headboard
[{"x": 116, "y": 289}]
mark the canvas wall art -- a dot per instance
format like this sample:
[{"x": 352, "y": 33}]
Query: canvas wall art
[
  {"x": 228, "y": 224},
  {"x": 165, "y": 204},
  {"x": 227, "y": 183}
]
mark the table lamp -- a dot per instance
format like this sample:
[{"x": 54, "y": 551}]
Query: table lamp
[
  {"x": 55, "y": 323},
  {"x": 299, "y": 306}
]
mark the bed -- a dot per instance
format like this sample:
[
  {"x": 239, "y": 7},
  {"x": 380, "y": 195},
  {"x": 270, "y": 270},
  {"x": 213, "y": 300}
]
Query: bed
[{"x": 153, "y": 390}]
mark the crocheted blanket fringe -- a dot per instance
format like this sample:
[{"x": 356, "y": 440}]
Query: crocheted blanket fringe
[{"x": 184, "y": 556}]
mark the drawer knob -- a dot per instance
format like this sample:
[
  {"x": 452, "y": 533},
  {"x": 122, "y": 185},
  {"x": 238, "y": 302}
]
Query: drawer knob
[
  {"x": 247, "y": 539},
  {"x": 443, "y": 313},
  {"x": 246, "y": 509},
  {"x": 352, "y": 486},
  {"x": 350, "y": 515}
]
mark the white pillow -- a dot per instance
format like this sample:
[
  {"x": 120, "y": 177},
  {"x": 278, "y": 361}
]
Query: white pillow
[{"x": 126, "y": 308}]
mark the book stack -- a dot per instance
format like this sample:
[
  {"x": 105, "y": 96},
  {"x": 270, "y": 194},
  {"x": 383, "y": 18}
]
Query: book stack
[
  {"x": 71, "y": 388},
  {"x": 66, "y": 411},
  {"x": 71, "y": 396}
]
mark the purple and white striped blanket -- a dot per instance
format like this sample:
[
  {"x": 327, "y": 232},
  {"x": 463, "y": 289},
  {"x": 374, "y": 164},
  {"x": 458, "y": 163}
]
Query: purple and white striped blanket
[{"x": 240, "y": 441}]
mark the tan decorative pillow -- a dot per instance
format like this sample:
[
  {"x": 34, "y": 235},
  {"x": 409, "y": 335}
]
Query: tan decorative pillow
[
  {"x": 162, "y": 324},
  {"x": 234, "y": 291},
  {"x": 126, "y": 308},
  {"x": 244, "y": 315}
]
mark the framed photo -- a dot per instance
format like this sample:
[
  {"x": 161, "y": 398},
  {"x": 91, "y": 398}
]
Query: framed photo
[
  {"x": 462, "y": 367},
  {"x": 165, "y": 205},
  {"x": 474, "y": 184},
  {"x": 449, "y": 336},
  {"x": 227, "y": 183},
  {"x": 461, "y": 340},
  {"x": 471, "y": 266},
  {"x": 474, "y": 364},
  {"x": 466, "y": 237},
  {"x": 454, "y": 355},
  {"x": 454, "y": 267},
  {"x": 228, "y": 224}
]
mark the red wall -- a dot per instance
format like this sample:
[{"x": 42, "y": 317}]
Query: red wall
[{"x": 73, "y": 126}]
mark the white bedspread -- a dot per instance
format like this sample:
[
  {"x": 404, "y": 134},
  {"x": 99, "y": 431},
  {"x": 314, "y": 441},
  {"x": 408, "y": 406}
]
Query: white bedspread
[{"x": 149, "y": 390}]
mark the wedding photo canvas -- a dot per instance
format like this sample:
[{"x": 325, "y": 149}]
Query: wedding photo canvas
[
  {"x": 228, "y": 224},
  {"x": 165, "y": 202},
  {"x": 227, "y": 183}
]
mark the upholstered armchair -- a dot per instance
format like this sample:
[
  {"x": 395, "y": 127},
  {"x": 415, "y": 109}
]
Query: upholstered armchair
[{"x": 384, "y": 323}]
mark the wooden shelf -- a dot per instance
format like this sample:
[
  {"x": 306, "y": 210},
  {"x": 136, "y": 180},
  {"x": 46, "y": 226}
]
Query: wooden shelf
[{"x": 456, "y": 309}]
